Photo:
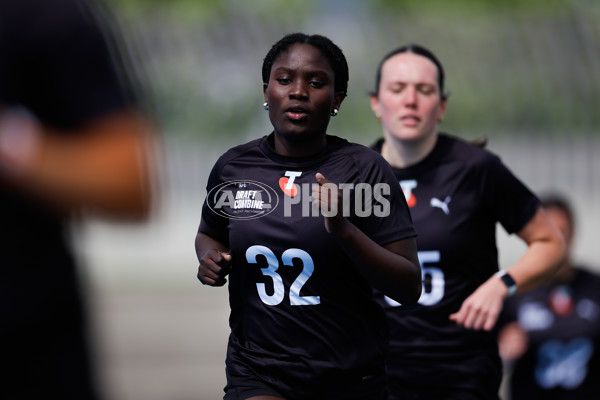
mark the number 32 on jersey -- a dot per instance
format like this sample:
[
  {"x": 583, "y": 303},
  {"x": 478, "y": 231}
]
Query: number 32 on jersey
[
  {"x": 435, "y": 292},
  {"x": 270, "y": 271}
]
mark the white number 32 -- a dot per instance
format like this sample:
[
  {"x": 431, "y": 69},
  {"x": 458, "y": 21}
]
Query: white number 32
[{"x": 271, "y": 271}]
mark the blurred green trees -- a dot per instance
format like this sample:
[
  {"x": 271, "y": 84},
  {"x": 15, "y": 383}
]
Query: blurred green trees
[{"x": 511, "y": 65}]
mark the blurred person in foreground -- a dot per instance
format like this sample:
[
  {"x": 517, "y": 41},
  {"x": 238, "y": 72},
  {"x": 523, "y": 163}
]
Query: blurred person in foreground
[
  {"x": 550, "y": 336},
  {"x": 458, "y": 192},
  {"x": 73, "y": 139}
]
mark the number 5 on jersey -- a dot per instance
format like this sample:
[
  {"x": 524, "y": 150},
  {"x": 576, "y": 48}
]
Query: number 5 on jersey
[
  {"x": 271, "y": 271},
  {"x": 436, "y": 292}
]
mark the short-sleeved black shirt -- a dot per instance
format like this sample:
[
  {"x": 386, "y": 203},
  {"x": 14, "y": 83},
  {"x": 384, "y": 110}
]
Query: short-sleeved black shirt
[
  {"x": 562, "y": 324},
  {"x": 303, "y": 319},
  {"x": 456, "y": 195}
]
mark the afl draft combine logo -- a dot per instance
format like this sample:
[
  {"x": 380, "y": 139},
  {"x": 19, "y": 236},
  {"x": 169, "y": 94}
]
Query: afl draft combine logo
[{"x": 242, "y": 199}]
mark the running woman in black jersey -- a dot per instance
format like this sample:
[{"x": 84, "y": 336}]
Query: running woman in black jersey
[
  {"x": 304, "y": 323},
  {"x": 457, "y": 192},
  {"x": 551, "y": 334}
]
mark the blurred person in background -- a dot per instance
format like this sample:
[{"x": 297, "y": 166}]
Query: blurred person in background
[
  {"x": 550, "y": 336},
  {"x": 73, "y": 139},
  {"x": 304, "y": 323},
  {"x": 443, "y": 348}
]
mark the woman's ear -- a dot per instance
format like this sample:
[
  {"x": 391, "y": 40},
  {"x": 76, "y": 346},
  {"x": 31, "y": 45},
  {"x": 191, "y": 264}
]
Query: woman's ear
[
  {"x": 442, "y": 109},
  {"x": 338, "y": 98},
  {"x": 375, "y": 105}
]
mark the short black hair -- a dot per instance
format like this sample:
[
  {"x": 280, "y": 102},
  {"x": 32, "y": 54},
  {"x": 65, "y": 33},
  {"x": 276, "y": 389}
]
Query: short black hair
[
  {"x": 334, "y": 55},
  {"x": 416, "y": 49}
]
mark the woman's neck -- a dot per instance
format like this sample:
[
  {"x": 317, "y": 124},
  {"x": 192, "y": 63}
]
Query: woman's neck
[
  {"x": 299, "y": 148},
  {"x": 404, "y": 153}
]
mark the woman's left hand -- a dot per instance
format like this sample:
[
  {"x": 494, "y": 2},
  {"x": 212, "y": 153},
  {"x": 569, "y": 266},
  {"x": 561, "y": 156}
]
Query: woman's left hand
[{"x": 481, "y": 309}]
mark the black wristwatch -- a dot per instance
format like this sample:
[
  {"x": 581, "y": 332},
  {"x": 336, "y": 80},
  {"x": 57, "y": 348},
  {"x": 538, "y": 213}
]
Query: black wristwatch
[{"x": 508, "y": 281}]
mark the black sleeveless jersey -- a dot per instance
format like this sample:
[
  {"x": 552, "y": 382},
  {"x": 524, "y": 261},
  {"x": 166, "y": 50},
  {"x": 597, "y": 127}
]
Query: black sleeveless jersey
[
  {"x": 303, "y": 319},
  {"x": 562, "y": 323},
  {"x": 456, "y": 196}
]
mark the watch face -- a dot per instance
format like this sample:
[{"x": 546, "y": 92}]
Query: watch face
[{"x": 509, "y": 282}]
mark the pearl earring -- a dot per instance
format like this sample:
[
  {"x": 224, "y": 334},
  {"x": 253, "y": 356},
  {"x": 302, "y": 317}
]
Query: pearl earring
[
  {"x": 334, "y": 112},
  {"x": 265, "y": 105}
]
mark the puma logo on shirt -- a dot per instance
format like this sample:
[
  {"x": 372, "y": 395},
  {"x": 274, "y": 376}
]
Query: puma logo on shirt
[{"x": 443, "y": 205}]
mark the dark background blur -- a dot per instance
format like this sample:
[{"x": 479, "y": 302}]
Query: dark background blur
[{"x": 523, "y": 74}]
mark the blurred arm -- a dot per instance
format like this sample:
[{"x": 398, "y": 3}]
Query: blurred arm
[
  {"x": 109, "y": 167},
  {"x": 512, "y": 342}
]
